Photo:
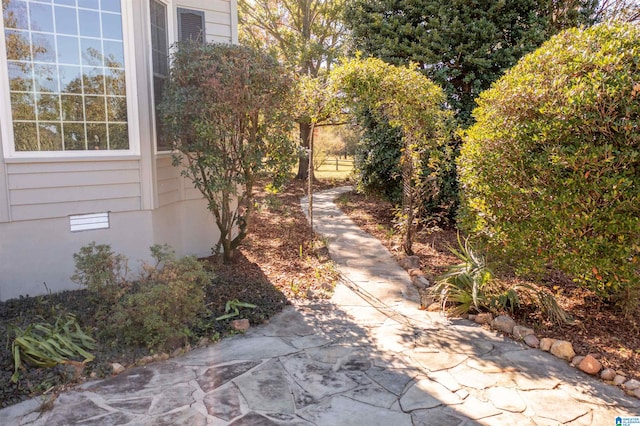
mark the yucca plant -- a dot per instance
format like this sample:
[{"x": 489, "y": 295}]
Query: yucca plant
[
  {"x": 464, "y": 284},
  {"x": 46, "y": 345}
]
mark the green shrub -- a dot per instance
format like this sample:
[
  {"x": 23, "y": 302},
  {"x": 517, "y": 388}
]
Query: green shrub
[
  {"x": 165, "y": 302},
  {"x": 158, "y": 307},
  {"x": 465, "y": 285},
  {"x": 377, "y": 159},
  {"x": 102, "y": 271},
  {"x": 469, "y": 285},
  {"x": 551, "y": 170}
]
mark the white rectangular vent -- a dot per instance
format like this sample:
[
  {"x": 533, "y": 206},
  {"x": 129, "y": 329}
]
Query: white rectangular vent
[{"x": 87, "y": 222}]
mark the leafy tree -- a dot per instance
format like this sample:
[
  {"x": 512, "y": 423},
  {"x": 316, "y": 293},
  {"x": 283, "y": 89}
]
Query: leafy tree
[
  {"x": 463, "y": 46},
  {"x": 618, "y": 10},
  {"x": 224, "y": 109},
  {"x": 551, "y": 169},
  {"x": 378, "y": 156},
  {"x": 305, "y": 35},
  {"x": 412, "y": 105}
]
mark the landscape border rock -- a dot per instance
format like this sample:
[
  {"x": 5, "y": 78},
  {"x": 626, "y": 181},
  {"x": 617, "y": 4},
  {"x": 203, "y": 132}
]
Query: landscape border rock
[{"x": 563, "y": 349}]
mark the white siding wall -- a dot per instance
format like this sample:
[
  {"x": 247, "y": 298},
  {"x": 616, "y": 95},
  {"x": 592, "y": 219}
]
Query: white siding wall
[
  {"x": 149, "y": 202},
  {"x": 220, "y": 18},
  {"x": 33, "y": 252},
  {"x": 4, "y": 192},
  {"x": 168, "y": 180}
]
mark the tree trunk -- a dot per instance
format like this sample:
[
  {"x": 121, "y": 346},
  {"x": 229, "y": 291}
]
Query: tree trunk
[
  {"x": 407, "y": 198},
  {"x": 305, "y": 139}
]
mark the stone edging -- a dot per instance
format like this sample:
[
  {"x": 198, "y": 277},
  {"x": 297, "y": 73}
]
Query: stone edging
[{"x": 562, "y": 349}]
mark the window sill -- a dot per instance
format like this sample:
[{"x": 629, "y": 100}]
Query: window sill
[{"x": 70, "y": 159}]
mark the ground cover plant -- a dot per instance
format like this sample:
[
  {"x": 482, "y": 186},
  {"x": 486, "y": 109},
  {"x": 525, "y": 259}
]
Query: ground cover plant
[{"x": 278, "y": 262}]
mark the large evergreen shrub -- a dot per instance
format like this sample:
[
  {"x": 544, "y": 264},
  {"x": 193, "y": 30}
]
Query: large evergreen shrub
[{"x": 551, "y": 170}]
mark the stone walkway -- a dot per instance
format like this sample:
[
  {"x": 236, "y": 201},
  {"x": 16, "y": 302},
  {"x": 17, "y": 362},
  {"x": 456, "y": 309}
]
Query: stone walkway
[{"x": 367, "y": 357}]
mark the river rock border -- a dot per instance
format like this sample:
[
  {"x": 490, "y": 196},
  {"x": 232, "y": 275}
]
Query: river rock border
[{"x": 588, "y": 363}]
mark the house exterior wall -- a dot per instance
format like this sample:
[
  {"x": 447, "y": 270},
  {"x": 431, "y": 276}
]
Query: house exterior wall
[{"x": 147, "y": 199}]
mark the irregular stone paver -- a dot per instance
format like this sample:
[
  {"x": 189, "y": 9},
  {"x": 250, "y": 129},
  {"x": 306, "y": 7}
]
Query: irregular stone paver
[
  {"x": 392, "y": 379},
  {"x": 253, "y": 419},
  {"x": 426, "y": 393},
  {"x": 179, "y": 395},
  {"x": 441, "y": 416},
  {"x": 446, "y": 379},
  {"x": 437, "y": 361},
  {"x": 555, "y": 405},
  {"x": 266, "y": 389},
  {"x": 373, "y": 394},
  {"x": 507, "y": 399},
  {"x": 237, "y": 348},
  {"x": 224, "y": 403},
  {"x": 472, "y": 378},
  {"x": 345, "y": 411},
  {"x": 317, "y": 379},
  {"x": 367, "y": 357},
  {"x": 217, "y": 376},
  {"x": 476, "y": 409},
  {"x": 454, "y": 343}
]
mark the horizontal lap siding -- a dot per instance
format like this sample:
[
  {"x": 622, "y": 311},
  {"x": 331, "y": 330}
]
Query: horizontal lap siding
[
  {"x": 169, "y": 181},
  {"x": 48, "y": 190},
  {"x": 217, "y": 18}
]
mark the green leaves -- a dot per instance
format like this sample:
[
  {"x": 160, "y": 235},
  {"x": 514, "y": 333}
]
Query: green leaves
[
  {"x": 227, "y": 109},
  {"x": 551, "y": 169},
  {"x": 403, "y": 113},
  {"x": 231, "y": 309},
  {"x": 46, "y": 345},
  {"x": 463, "y": 46},
  {"x": 464, "y": 284}
]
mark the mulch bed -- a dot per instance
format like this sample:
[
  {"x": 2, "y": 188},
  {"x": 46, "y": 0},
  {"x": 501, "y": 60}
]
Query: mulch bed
[
  {"x": 599, "y": 328},
  {"x": 280, "y": 262},
  {"x": 277, "y": 263}
]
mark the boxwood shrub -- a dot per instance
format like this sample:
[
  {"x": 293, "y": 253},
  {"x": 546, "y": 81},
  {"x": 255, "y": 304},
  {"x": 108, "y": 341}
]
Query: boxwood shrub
[{"x": 550, "y": 172}]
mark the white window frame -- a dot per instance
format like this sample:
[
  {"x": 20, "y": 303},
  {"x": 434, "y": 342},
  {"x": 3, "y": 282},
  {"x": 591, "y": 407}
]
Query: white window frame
[
  {"x": 171, "y": 28},
  {"x": 133, "y": 124}
]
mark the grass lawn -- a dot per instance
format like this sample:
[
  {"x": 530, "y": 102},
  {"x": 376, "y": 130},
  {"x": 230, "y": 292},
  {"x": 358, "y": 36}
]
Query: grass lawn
[{"x": 329, "y": 172}]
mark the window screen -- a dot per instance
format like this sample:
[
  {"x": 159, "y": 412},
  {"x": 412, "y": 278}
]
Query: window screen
[{"x": 190, "y": 25}]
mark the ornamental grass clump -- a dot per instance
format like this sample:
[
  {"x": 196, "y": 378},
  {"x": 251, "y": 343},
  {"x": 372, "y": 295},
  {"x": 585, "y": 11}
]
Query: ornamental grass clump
[
  {"x": 550, "y": 172},
  {"x": 45, "y": 345}
]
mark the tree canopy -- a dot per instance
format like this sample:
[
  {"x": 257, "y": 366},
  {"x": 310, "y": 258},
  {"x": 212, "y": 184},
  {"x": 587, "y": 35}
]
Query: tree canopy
[
  {"x": 463, "y": 46},
  {"x": 225, "y": 110},
  {"x": 306, "y": 36}
]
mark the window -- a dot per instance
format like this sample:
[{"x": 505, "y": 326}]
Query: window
[
  {"x": 190, "y": 25},
  {"x": 65, "y": 61},
  {"x": 160, "y": 62}
]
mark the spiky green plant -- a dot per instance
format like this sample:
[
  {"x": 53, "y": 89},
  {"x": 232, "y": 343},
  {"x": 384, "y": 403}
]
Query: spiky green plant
[
  {"x": 45, "y": 345},
  {"x": 231, "y": 309},
  {"x": 464, "y": 284}
]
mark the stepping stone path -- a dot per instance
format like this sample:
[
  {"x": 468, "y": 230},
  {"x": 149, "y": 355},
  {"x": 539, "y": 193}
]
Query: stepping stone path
[{"x": 367, "y": 357}]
